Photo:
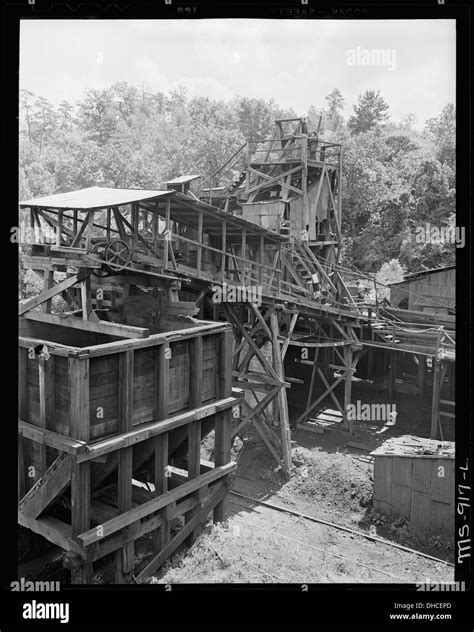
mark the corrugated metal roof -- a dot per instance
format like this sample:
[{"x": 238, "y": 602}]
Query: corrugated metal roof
[
  {"x": 421, "y": 273},
  {"x": 411, "y": 446},
  {"x": 435, "y": 301},
  {"x": 213, "y": 218},
  {"x": 183, "y": 179},
  {"x": 412, "y": 275},
  {"x": 93, "y": 197}
]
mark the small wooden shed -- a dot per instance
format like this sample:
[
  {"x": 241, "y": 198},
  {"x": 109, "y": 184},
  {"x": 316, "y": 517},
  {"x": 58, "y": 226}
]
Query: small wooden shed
[
  {"x": 428, "y": 291},
  {"x": 414, "y": 479}
]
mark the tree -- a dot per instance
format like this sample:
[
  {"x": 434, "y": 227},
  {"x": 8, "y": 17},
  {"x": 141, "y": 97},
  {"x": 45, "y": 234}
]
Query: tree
[
  {"x": 65, "y": 111},
  {"x": 370, "y": 111},
  {"x": 407, "y": 121},
  {"x": 26, "y": 105},
  {"x": 335, "y": 105},
  {"x": 391, "y": 272},
  {"x": 442, "y": 130},
  {"x": 98, "y": 115}
]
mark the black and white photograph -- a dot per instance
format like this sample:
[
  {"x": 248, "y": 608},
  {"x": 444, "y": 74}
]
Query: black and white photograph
[{"x": 237, "y": 242}]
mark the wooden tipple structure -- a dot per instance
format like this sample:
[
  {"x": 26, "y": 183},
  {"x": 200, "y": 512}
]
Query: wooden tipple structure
[{"x": 118, "y": 388}]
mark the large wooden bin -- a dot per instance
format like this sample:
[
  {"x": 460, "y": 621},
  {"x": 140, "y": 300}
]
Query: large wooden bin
[{"x": 101, "y": 413}]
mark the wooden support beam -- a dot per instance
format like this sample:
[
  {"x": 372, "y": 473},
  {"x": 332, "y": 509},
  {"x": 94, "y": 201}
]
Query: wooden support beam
[
  {"x": 223, "y": 247},
  {"x": 162, "y": 537},
  {"x": 243, "y": 254},
  {"x": 393, "y": 374},
  {"x": 331, "y": 393},
  {"x": 48, "y": 284},
  {"x": 77, "y": 239},
  {"x": 313, "y": 378},
  {"x": 124, "y": 557},
  {"x": 194, "y": 429},
  {"x": 119, "y": 223},
  {"x": 99, "y": 327},
  {"x": 80, "y": 472},
  {"x": 233, "y": 317},
  {"x": 23, "y": 412},
  {"x": 50, "y": 438},
  {"x": 222, "y": 455},
  {"x": 46, "y": 400},
  {"x": 167, "y": 245},
  {"x": 51, "y": 484},
  {"x": 200, "y": 241},
  {"x": 145, "y": 509},
  {"x": 286, "y": 344},
  {"x": 145, "y": 431},
  {"x": 194, "y": 465},
  {"x": 89, "y": 228},
  {"x": 86, "y": 299},
  {"x": 57, "y": 289},
  {"x": 54, "y": 530},
  {"x": 59, "y": 228},
  {"x": 319, "y": 399},
  {"x": 214, "y": 499},
  {"x": 259, "y": 324},
  {"x": 263, "y": 403},
  {"x": 436, "y": 396},
  {"x": 347, "y": 388},
  {"x": 282, "y": 400}
]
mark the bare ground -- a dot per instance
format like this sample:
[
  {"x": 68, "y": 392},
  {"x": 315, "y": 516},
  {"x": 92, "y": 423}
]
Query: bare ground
[{"x": 330, "y": 481}]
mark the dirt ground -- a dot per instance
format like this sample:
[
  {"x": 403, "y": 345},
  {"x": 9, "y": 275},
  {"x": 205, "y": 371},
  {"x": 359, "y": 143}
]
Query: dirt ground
[{"x": 331, "y": 481}]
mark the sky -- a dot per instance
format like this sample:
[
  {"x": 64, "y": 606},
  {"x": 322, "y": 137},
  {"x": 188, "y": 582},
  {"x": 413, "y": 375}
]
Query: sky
[{"x": 295, "y": 62}]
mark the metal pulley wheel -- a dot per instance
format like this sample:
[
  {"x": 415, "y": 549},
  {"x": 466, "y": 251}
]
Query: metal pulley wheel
[{"x": 117, "y": 255}]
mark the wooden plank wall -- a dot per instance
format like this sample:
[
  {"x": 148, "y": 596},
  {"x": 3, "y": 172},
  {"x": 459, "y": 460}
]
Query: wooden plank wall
[
  {"x": 104, "y": 386},
  {"x": 110, "y": 395}
]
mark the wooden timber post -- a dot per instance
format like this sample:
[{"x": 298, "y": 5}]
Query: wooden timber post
[
  {"x": 80, "y": 472},
  {"x": 167, "y": 233},
  {"x": 247, "y": 165},
  {"x": 48, "y": 284},
  {"x": 223, "y": 423},
  {"x": 47, "y": 402},
  {"x": 347, "y": 387},
  {"x": 162, "y": 537},
  {"x": 224, "y": 246},
  {"x": 200, "y": 240},
  {"x": 282, "y": 402},
  {"x": 435, "y": 401},
  {"x": 393, "y": 374},
  {"x": 86, "y": 298},
  {"x": 244, "y": 249},
  {"x": 22, "y": 413},
  {"x": 194, "y": 429},
  {"x": 421, "y": 375},
  {"x": 125, "y": 556}
]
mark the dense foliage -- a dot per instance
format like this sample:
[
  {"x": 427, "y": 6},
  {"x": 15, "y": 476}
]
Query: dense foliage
[{"x": 395, "y": 178}]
